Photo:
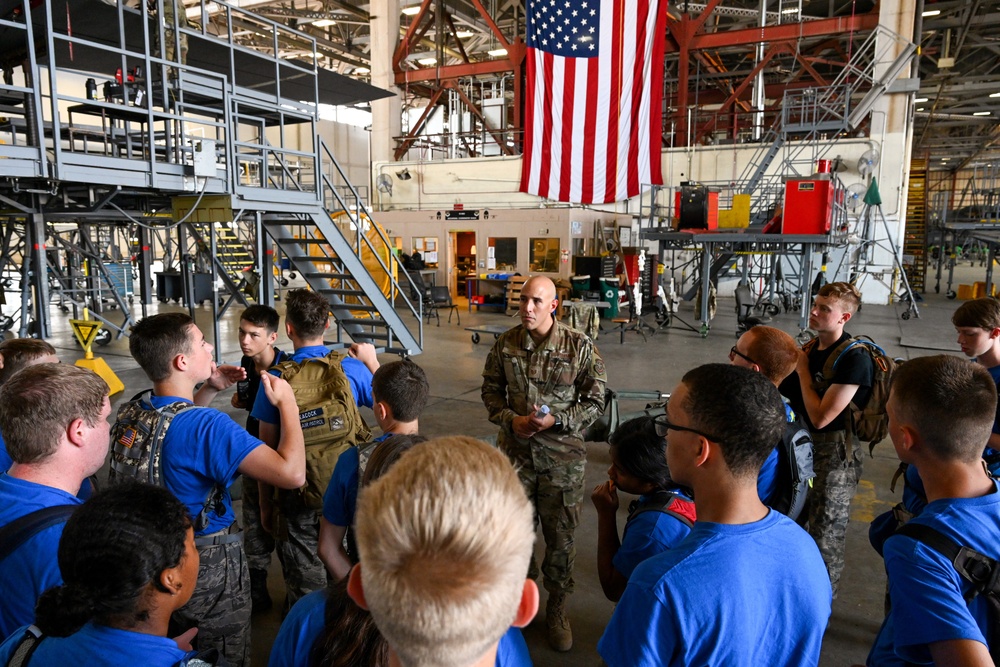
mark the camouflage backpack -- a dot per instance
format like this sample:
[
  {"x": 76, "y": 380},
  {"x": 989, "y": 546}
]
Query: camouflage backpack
[
  {"x": 328, "y": 415},
  {"x": 137, "y": 447},
  {"x": 870, "y": 423}
]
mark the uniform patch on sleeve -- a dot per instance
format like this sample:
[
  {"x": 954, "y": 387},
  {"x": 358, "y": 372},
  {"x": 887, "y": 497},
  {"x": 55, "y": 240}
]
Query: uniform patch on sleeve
[{"x": 599, "y": 366}]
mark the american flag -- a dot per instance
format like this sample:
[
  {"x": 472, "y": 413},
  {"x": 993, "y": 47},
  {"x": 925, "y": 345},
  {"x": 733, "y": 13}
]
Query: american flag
[{"x": 594, "y": 96}]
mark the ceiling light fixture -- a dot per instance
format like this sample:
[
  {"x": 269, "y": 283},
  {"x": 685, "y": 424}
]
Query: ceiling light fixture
[
  {"x": 920, "y": 99},
  {"x": 411, "y": 11},
  {"x": 995, "y": 95},
  {"x": 931, "y": 12},
  {"x": 982, "y": 113},
  {"x": 362, "y": 70},
  {"x": 324, "y": 23},
  {"x": 496, "y": 53},
  {"x": 427, "y": 61},
  {"x": 793, "y": 10},
  {"x": 920, "y": 108},
  {"x": 462, "y": 34}
]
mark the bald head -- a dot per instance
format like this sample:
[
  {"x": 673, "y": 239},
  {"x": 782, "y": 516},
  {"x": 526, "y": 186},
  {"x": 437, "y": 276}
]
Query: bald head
[
  {"x": 542, "y": 283},
  {"x": 537, "y": 303}
]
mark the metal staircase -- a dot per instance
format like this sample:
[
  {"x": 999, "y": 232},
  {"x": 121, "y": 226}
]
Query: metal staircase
[
  {"x": 332, "y": 264},
  {"x": 811, "y": 115},
  {"x": 915, "y": 235}
]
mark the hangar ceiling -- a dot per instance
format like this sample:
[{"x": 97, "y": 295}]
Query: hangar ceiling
[{"x": 958, "y": 67}]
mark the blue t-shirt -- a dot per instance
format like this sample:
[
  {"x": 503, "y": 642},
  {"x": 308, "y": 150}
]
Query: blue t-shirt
[
  {"x": 928, "y": 603},
  {"x": 100, "y": 645},
  {"x": 358, "y": 375},
  {"x": 203, "y": 447},
  {"x": 725, "y": 595},
  {"x": 341, "y": 494},
  {"x": 646, "y": 535},
  {"x": 304, "y": 623},
  {"x": 33, "y": 567},
  {"x": 86, "y": 488}
]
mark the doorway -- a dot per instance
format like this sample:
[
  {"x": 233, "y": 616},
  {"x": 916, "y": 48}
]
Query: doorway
[{"x": 463, "y": 244}]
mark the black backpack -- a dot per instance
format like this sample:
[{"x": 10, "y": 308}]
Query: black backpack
[
  {"x": 22, "y": 529},
  {"x": 975, "y": 568},
  {"x": 795, "y": 471}
]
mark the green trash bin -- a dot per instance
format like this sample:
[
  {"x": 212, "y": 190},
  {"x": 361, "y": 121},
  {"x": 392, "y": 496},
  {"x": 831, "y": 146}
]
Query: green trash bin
[{"x": 609, "y": 293}]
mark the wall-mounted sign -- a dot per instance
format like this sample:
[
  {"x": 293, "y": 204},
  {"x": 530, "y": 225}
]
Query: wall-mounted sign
[{"x": 461, "y": 215}]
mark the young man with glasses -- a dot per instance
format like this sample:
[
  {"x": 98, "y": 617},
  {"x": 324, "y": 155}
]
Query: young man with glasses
[
  {"x": 725, "y": 594},
  {"x": 774, "y": 353},
  {"x": 825, "y": 404}
]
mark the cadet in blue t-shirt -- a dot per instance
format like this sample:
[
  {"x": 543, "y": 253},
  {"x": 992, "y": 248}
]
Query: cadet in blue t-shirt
[
  {"x": 53, "y": 450},
  {"x": 116, "y": 611},
  {"x": 307, "y": 317},
  {"x": 399, "y": 391},
  {"x": 203, "y": 451},
  {"x": 660, "y": 518},
  {"x": 701, "y": 602},
  {"x": 455, "y": 510},
  {"x": 773, "y": 353},
  {"x": 941, "y": 412},
  {"x": 305, "y": 631}
]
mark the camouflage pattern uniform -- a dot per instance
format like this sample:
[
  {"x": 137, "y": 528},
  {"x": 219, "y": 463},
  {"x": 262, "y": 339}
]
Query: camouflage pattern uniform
[
  {"x": 296, "y": 536},
  {"x": 567, "y": 374},
  {"x": 837, "y": 462},
  {"x": 220, "y": 605},
  {"x": 170, "y": 8}
]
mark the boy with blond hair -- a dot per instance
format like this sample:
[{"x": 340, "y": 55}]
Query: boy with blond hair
[
  {"x": 446, "y": 584},
  {"x": 825, "y": 403}
]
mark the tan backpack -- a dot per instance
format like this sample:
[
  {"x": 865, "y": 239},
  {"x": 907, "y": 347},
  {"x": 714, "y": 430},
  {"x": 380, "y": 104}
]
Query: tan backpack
[{"x": 328, "y": 415}]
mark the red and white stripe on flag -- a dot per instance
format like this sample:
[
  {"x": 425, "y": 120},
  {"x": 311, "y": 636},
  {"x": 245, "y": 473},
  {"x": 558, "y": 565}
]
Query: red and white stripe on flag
[{"x": 593, "y": 110}]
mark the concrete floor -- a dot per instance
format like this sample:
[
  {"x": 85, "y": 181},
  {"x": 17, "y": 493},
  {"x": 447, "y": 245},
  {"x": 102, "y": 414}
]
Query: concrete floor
[{"x": 453, "y": 365}]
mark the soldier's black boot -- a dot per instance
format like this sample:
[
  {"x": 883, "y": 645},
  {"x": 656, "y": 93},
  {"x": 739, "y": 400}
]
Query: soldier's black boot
[{"x": 259, "y": 596}]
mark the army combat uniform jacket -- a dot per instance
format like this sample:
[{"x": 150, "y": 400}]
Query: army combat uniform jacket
[{"x": 565, "y": 372}]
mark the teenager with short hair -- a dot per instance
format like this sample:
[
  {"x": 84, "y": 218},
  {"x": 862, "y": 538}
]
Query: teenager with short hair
[
  {"x": 774, "y": 354},
  {"x": 941, "y": 412},
  {"x": 257, "y": 333},
  {"x": 115, "y": 610},
  {"x": 726, "y": 593},
  {"x": 825, "y": 404},
  {"x": 56, "y": 420},
  {"x": 15, "y": 354},
  {"x": 400, "y": 392},
  {"x": 660, "y": 517},
  {"x": 325, "y": 628},
  {"x": 445, "y": 538},
  {"x": 203, "y": 451},
  {"x": 292, "y": 517},
  {"x": 977, "y": 323}
]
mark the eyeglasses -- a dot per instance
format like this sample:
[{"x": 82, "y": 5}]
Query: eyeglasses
[
  {"x": 733, "y": 352},
  {"x": 663, "y": 424}
]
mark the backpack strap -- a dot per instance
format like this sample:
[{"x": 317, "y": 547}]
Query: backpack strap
[
  {"x": 26, "y": 647},
  {"x": 979, "y": 570},
  {"x": 19, "y": 531},
  {"x": 831, "y": 361},
  {"x": 667, "y": 502}
]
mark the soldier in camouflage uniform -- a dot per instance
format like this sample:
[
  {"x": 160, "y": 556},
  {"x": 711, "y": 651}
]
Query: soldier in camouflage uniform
[
  {"x": 825, "y": 402},
  {"x": 545, "y": 363}
]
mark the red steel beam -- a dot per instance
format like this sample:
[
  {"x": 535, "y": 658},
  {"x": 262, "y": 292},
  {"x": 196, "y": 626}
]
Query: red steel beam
[{"x": 787, "y": 31}]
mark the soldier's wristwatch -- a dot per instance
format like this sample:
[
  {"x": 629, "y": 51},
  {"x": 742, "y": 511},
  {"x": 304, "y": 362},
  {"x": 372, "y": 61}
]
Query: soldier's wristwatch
[{"x": 558, "y": 426}]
